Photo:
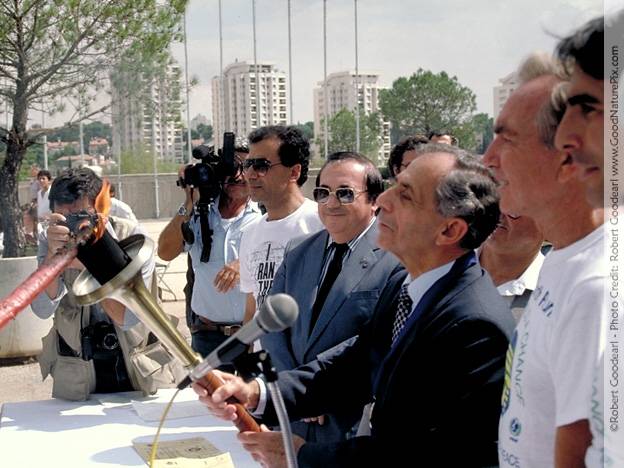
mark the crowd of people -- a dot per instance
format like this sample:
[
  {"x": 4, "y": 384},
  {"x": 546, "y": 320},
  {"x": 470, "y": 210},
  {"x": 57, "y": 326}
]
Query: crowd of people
[{"x": 452, "y": 319}]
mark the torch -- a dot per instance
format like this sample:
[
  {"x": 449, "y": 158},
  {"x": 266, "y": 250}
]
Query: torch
[{"x": 113, "y": 270}]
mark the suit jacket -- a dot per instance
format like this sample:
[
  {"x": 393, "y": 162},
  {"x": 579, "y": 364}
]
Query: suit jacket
[
  {"x": 349, "y": 305},
  {"x": 436, "y": 391}
]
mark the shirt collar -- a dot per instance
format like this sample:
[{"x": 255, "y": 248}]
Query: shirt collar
[
  {"x": 420, "y": 285},
  {"x": 528, "y": 279}
]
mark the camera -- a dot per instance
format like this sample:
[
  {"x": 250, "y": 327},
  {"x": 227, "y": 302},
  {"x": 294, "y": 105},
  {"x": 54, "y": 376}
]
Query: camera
[
  {"x": 210, "y": 173},
  {"x": 80, "y": 220},
  {"x": 99, "y": 340}
]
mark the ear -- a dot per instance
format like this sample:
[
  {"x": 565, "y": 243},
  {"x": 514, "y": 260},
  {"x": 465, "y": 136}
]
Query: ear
[
  {"x": 451, "y": 232},
  {"x": 567, "y": 169},
  {"x": 295, "y": 172}
]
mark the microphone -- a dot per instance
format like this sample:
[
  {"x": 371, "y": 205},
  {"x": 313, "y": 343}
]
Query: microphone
[{"x": 278, "y": 312}]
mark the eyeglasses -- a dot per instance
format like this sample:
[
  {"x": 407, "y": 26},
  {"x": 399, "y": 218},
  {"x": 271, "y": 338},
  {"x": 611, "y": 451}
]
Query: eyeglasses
[
  {"x": 260, "y": 165},
  {"x": 345, "y": 195}
]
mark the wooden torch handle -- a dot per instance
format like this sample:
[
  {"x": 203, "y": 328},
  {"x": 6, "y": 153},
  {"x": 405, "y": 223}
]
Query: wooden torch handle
[{"x": 244, "y": 421}]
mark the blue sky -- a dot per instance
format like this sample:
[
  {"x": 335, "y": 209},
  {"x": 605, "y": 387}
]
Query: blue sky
[{"x": 478, "y": 41}]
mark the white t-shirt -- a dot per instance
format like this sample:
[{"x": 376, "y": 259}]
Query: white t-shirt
[
  {"x": 43, "y": 204},
  {"x": 553, "y": 354},
  {"x": 263, "y": 244}
]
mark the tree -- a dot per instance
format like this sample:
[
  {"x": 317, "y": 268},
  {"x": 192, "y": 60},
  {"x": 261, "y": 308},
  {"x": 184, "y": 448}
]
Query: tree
[
  {"x": 307, "y": 129},
  {"x": 53, "y": 51},
  {"x": 204, "y": 131},
  {"x": 341, "y": 128},
  {"x": 483, "y": 127},
  {"x": 426, "y": 102}
]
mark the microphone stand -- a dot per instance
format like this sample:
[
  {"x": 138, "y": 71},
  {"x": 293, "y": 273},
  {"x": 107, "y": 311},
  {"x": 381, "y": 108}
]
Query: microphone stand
[{"x": 247, "y": 366}]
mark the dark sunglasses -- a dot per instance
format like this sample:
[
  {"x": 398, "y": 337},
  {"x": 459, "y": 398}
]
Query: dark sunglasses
[
  {"x": 260, "y": 165},
  {"x": 345, "y": 195}
]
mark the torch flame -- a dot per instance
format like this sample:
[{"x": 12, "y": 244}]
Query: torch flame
[{"x": 102, "y": 207}]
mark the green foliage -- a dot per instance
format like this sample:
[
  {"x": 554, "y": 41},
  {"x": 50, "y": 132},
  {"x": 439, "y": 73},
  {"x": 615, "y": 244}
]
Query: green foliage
[
  {"x": 204, "y": 131},
  {"x": 342, "y": 137},
  {"x": 426, "y": 102},
  {"x": 483, "y": 126},
  {"x": 141, "y": 161},
  {"x": 91, "y": 130},
  {"x": 307, "y": 129}
]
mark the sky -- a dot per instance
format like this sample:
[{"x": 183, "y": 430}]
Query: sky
[{"x": 478, "y": 41}]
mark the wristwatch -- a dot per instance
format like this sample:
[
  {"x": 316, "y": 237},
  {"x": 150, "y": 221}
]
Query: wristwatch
[{"x": 182, "y": 211}]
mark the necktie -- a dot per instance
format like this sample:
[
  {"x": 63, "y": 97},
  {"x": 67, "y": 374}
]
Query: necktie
[
  {"x": 333, "y": 270},
  {"x": 404, "y": 309}
]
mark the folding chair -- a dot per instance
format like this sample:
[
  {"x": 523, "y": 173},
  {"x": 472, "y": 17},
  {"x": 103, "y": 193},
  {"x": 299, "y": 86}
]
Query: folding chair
[{"x": 161, "y": 270}]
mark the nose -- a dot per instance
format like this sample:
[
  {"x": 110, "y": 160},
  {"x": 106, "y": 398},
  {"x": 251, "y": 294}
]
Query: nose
[
  {"x": 384, "y": 200},
  {"x": 565, "y": 138},
  {"x": 490, "y": 158},
  {"x": 332, "y": 201}
]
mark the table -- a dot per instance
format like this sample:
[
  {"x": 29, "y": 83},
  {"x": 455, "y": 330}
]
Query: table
[{"x": 58, "y": 433}]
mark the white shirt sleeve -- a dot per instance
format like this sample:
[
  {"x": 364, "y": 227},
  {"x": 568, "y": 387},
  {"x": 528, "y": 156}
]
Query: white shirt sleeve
[{"x": 246, "y": 277}]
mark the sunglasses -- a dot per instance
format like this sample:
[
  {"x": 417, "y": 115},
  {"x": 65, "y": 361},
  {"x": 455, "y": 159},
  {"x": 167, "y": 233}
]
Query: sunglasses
[
  {"x": 344, "y": 195},
  {"x": 260, "y": 165}
]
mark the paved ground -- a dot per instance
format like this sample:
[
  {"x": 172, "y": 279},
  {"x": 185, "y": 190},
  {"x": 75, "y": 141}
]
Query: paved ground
[{"x": 20, "y": 379}]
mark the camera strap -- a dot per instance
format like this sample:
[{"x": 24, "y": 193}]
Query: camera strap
[{"x": 206, "y": 235}]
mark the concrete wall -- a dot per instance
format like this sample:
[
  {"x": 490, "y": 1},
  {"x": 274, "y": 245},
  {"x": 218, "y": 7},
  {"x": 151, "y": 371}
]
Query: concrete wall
[{"x": 137, "y": 190}]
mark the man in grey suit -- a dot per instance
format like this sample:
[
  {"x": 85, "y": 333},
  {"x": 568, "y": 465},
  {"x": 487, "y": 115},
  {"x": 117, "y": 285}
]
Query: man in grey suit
[{"x": 335, "y": 275}]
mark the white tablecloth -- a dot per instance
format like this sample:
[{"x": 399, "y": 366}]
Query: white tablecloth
[{"x": 58, "y": 433}]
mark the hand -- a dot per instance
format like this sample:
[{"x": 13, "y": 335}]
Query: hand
[
  {"x": 228, "y": 277},
  {"x": 191, "y": 195},
  {"x": 247, "y": 394},
  {"x": 58, "y": 234},
  {"x": 318, "y": 419},
  {"x": 267, "y": 447}
]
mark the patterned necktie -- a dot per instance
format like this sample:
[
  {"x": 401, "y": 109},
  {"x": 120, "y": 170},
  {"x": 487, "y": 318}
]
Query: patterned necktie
[
  {"x": 333, "y": 270},
  {"x": 404, "y": 310}
]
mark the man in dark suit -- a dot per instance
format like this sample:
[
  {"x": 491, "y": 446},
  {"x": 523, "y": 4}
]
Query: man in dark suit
[
  {"x": 335, "y": 275},
  {"x": 432, "y": 359}
]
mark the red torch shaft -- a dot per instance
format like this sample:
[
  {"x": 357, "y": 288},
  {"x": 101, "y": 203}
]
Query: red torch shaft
[{"x": 32, "y": 286}]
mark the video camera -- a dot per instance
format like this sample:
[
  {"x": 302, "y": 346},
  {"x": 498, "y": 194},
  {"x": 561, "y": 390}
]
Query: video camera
[{"x": 208, "y": 175}]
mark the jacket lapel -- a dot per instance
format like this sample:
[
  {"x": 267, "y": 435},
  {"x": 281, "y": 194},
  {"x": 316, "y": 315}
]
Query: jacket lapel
[
  {"x": 442, "y": 289},
  {"x": 355, "y": 268}
]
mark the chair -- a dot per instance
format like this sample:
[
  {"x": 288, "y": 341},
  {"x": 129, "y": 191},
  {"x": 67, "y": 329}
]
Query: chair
[{"x": 163, "y": 287}]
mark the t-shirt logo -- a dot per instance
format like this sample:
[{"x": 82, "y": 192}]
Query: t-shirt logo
[
  {"x": 506, "y": 397},
  {"x": 264, "y": 263}
]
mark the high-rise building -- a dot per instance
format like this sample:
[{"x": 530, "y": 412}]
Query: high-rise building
[
  {"x": 148, "y": 117},
  {"x": 341, "y": 94},
  {"x": 507, "y": 85},
  {"x": 239, "y": 106}
]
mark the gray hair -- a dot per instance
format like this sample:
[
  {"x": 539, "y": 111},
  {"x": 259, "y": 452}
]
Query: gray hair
[
  {"x": 540, "y": 64},
  {"x": 469, "y": 192}
]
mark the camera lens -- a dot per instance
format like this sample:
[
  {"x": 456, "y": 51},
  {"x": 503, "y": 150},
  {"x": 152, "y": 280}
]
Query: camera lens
[{"x": 110, "y": 342}]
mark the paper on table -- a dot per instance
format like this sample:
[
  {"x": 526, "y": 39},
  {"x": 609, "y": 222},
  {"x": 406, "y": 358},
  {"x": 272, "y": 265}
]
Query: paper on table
[
  {"x": 186, "y": 405},
  {"x": 195, "y": 452}
]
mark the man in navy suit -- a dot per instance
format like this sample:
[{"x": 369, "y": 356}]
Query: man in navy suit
[
  {"x": 336, "y": 277},
  {"x": 432, "y": 357}
]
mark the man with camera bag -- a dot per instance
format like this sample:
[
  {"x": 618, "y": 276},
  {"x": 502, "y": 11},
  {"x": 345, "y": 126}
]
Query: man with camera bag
[
  {"x": 208, "y": 226},
  {"x": 101, "y": 348}
]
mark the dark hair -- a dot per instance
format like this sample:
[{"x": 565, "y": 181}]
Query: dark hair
[
  {"x": 396, "y": 155},
  {"x": 374, "y": 180},
  {"x": 468, "y": 192},
  {"x": 72, "y": 185},
  {"x": 112, "y": 190},
  {"x": 584, "y": 48},
  {"x": 44, "y": 173},
  {"x": 294, "y": 147}
]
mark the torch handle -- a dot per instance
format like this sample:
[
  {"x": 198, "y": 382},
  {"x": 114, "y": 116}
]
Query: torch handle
[{"x": 244, "y": 421}]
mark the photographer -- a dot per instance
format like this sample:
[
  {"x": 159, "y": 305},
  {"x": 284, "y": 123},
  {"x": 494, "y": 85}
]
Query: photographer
[
  {"x": 101, "y": 348},
  {"x": 217, "y": 306}
]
